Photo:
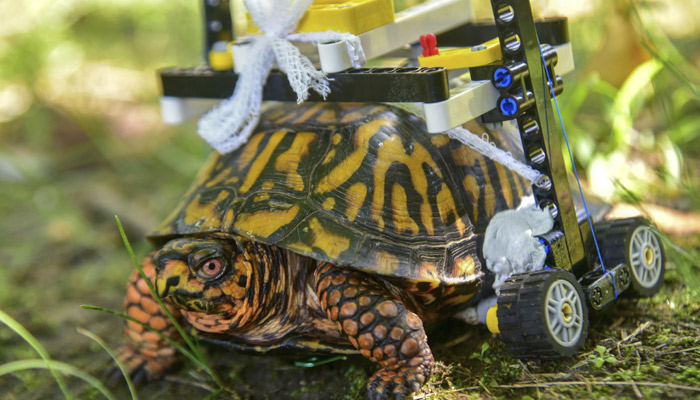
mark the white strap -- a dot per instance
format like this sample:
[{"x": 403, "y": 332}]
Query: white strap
[
  {"x": 489, "y": 149},
  {"x": 229, "y": 124}
]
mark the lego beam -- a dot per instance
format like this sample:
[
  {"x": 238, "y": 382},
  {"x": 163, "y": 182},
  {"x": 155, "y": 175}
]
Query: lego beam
[{"x": 476, "y": 98}]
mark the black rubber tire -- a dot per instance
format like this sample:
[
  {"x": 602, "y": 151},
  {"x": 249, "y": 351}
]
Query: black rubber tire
[
  {"x": 522, "y": 315},
  {"x": 615, "y": 238}
]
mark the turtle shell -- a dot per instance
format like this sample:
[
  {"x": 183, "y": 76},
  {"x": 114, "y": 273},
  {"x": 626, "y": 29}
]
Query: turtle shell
[{"x": 356, "y": 185}]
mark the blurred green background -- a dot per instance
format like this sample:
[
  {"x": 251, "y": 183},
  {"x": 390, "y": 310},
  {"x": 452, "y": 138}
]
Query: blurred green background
[{"x": 81, "y": 140}]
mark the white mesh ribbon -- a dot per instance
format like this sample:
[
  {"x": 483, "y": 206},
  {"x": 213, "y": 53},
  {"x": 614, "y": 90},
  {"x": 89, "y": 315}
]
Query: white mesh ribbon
[
  {"x": 229, "y": 124},
  {"x": 490, "y": 150}
]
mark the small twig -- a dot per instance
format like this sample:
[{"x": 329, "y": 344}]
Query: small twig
[
  {"x": 637, "y": 331},
  {"x": 636, "y": 390},
  {"x": 485, "y": 388},
  {"x": 681, "y": 351},
  {"x": 191, "y": 382},
  {"x": 597, "y": 383},
  {"x": 617, "y": 323},
  {"x": 425, "y": 395},
  {"x": 685, "y": 324},
  {"x": 526, "y": 370},
  {"x": 458, "y": 340},
  {"x": 662, "y": 345},
  {"x": 201, "y": 385}
]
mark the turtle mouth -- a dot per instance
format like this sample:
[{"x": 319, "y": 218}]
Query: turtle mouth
[{"x": 191, "y": 301}]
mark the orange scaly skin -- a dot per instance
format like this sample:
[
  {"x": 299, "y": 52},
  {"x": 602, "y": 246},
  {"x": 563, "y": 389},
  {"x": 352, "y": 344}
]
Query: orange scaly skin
[
  {"x": 380, "y": 326},
  {"x": 145, "y": 354}
]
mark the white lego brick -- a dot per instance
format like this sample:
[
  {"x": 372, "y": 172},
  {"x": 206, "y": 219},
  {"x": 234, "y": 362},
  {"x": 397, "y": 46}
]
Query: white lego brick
[
  {"x": 176, "y": 110},
  {"x": 435, "y": 16},
  {"x": 565, "y": 53},
  {"x": 473, "y": 99},
  {"x": 467, "y": 102}
]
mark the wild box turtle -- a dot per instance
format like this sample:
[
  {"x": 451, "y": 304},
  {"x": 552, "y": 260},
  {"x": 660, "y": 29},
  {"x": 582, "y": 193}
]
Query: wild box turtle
[{"x": 337, "y": 228}]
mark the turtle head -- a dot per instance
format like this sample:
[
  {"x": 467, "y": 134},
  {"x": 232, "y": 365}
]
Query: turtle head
[{"x": 203, "y": 274}]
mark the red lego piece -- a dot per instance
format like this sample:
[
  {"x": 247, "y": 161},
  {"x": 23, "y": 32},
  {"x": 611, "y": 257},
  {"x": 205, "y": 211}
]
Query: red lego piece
[{"x": 429, "y": 44}]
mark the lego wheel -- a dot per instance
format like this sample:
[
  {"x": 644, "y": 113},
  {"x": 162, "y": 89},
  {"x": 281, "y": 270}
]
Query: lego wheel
[
  {"x": 542, "y": 314},
  {"x": 642, "y": 252}
]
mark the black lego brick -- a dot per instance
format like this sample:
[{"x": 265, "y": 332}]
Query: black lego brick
[
  {"x": 426, "y": 85},
  {"x": 553, "y": 31}
]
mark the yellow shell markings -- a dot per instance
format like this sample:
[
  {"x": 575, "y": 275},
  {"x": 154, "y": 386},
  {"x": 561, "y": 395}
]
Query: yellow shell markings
[
  {"x": 329, "y": 203},
  {"x": 354, "y": 197},
  {"x": 287, "y": 117},
  {"x": 261, "y": 161},
  {"x": 343, "y": 171},
  {"x": 220, "y": 177},
  {"x": 385, "y": 262},
  {"x": 506, "y": 189},
  {"x": 463, "y": 156},
  {"x": 331, "y": 153},
  {"x": 489, "y": 193},
  {"x": 440, "y": 140},
  {"x": 391, "y": 151},
  {"x": 351, "y": 116},
  {"x": 265, "y": 223},
  {"x": 250, "y": 150},
  {"x": 329, "y": 156},
  {"x": 329, "y": 242},
  {"x": 288, "y": 162},
  {"x": 401, "y": 218},
  {"x": 228, "y": 219},
  {"x": 327, "y": 117},
  {"x": 202, "y": 214},
  {"x": 309, "y": 113},
  {"x": 300, "y": 247},
  {"x": 261, "y": 197},
  {"x": 473, "y": 191},
  {"x": 465, "y": 266},
  {"x": 428, "y": 271},
  {"x": 446, "y": 204}
]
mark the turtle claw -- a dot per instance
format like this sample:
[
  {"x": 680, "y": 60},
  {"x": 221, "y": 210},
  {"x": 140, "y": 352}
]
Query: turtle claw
[{"x": 388, "y": 383}]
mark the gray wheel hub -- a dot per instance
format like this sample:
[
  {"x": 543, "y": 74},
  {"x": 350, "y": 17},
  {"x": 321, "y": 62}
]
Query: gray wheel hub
[
  {"x": 564, "y": 313},
  {"x": 645, "y": 256}
]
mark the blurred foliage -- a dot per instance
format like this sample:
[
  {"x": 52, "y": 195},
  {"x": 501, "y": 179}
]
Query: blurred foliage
[
  {"x": 642, "y": 131},
  {"x": 81, "y": 139}
]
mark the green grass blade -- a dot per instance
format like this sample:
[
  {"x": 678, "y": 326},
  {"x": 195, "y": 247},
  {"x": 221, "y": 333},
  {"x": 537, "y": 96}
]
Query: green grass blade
[
  {"x": 67, "y": 369},
  {"x": 627, "y": 101},
  {"x": 109, "y": 351},
  {"x": 38, "y": 347},
  {"x": 173, "y": 342}
]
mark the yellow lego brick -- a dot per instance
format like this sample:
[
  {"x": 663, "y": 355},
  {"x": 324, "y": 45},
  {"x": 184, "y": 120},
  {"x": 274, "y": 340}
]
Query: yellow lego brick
[
  {"x": 352, "y": 16},
  {"x": 219, "y": 59},
  {"x": 465, "y": 57},
  {"x": 492, "y": 320}
]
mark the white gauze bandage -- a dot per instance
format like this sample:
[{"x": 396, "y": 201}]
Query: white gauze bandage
[
  {"x": 511, "y": 245},
  {"x": 229, "y": 124},
  {"x": 489, "y": 149}
]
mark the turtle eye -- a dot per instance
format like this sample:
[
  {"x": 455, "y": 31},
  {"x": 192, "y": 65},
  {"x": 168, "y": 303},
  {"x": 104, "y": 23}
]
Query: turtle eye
[{"x": 211, "y": 269}]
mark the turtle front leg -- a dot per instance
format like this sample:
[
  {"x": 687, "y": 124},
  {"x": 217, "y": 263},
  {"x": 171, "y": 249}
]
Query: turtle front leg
[
  {"x": 380, "y": 326},
  {"x": 145, "y": 354}
]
